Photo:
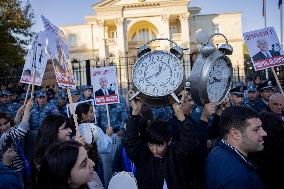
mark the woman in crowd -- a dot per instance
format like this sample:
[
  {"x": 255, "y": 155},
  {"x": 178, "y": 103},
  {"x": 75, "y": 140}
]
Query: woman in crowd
[
  {"x": 96, "y": 140},
  {"x": 90, "y": 132},
  {"x": 66, "y": 165},
  {"x": 54, "y": 128}
]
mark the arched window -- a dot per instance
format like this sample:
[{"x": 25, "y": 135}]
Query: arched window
[{"x": 143, "y": 34}]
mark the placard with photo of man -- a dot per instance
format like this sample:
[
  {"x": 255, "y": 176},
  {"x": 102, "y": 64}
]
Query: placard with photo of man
[
  {"x": 104, "y": 83},
  {"x": 264, "y": 48}
]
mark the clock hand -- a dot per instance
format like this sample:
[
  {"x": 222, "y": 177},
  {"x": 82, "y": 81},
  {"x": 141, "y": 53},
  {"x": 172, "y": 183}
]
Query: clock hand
[{"x": 155, "y": 74}]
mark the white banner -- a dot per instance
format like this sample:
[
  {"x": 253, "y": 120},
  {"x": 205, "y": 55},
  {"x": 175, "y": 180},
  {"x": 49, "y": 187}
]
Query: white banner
[
  {"x": 36, "y": 58},
  {"x": 59, "y": 53}
]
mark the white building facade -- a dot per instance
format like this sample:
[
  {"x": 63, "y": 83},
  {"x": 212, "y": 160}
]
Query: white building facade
[{"x": 119, "y": 27}]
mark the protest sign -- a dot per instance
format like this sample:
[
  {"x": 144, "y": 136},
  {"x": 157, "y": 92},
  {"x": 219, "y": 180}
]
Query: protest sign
[
  {"x": 59, "y": 53},
  {"x": 36, "y": 60},
  {"x": 105, "y": 85},
  {"x": 264, "y": 48}
]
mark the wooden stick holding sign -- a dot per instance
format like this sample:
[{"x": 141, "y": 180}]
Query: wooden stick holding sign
[
  {"x": 277, "y": 81},
  {"x": 73, "y": 113},
  {"x": 108, "y": 120},
  {"x": 27, "y": 94},
  {"x": 33, "y": 84}
]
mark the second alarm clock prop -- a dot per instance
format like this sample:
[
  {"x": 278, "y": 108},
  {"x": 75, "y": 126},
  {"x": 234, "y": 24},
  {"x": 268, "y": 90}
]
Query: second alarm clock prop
[
  {"x": 211, "y": 74},
  {"x": 158, "y": 75}
]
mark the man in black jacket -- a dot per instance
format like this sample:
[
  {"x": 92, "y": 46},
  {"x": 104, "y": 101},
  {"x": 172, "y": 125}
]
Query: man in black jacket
[{"x": 159, "y": 163}]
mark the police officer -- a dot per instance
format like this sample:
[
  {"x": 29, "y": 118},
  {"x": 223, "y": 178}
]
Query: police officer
[
  {"x": 87, "y": 93},
  {"x": 266, "y": 89},
  {"x": 252, "y": 97},
  {"x": 61, "y": 103},
  {"x": 75, "y": 94},
  {"x": 237, "y": 95},
  {"x": 40, "y": 110},
  {"x": 6, "y": 104}
]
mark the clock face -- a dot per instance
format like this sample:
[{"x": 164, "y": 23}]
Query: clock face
[
  {"x": 157, "y": 73},
  {"x": 218, "y": 80}
]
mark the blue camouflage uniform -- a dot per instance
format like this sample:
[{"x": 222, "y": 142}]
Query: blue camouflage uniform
[
  {"x": 164, "y": 112},
  {"x": 62, "y": 109},
  {"x": 118, "y": 113},
  {"x": 39, "y": 113},
  {"x": 11, "y": 107}
]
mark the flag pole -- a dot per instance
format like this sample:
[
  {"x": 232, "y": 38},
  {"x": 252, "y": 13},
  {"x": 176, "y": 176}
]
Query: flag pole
[
  {"x": 281, "y": 24},
  {"x": 265, "y": 25}
]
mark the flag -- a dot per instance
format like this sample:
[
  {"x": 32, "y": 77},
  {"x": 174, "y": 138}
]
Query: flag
[{"x": 279, "y": 3}]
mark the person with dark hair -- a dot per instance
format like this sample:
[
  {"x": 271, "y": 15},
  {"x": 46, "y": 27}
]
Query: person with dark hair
[
  {"x": 66, "y": 165},
  {"x": 121, "y": 162},
  {"x": 270, "y": 161},
  {"x": 54, "y": 128},
  {"x": 90, "y": 132},
  {"x": 227, "y": 164},
  {"x": 159, "y": 163},
  {"x": 95, "y": 138}
]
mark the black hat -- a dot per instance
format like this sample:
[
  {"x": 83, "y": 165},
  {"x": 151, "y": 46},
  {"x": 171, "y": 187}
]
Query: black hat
[
  {"x": 238, "y": 90},
  {"x": 267, "y": 85}
]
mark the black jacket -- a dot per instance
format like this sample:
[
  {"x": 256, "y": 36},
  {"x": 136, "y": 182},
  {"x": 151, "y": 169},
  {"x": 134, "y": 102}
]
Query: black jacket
[{"x": 151, "y": 171}]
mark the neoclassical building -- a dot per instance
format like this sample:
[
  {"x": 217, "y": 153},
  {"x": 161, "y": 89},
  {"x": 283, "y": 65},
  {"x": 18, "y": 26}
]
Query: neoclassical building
[{"x": 119, "y": 27}]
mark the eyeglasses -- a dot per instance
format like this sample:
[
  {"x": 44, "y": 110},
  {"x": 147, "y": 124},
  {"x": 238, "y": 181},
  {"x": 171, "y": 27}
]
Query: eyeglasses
[{"x": 5, "y": 123}]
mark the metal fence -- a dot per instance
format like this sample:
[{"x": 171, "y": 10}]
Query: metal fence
[{"x": 124, "y": 65}]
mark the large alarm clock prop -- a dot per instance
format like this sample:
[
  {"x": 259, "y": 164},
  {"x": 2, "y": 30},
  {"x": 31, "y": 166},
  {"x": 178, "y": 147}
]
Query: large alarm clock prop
[
  {"x": 211, "y": 74},
  {"x": 158, "y": 75}
]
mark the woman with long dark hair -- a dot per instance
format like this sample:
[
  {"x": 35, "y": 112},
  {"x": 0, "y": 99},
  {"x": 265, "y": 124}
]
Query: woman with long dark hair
[
  {"x": 54, "y": 128},
  {"x": 66, "y": 165}
]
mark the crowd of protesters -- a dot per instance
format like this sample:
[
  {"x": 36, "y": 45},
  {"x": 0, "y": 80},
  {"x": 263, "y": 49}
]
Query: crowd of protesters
[{"x": 236, "y": 144}]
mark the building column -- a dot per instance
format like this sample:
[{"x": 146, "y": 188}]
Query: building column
[
  {"x": 165, "y": 31},
  {"x": 122, "y": 51},
  {"x": 121, "y": 36},
  {"x": 102, "y": 41},
  {"x": 184, "y": 22}
]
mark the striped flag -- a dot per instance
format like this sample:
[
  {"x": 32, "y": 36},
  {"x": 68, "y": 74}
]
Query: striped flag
[{"x": 279, "y": 3}]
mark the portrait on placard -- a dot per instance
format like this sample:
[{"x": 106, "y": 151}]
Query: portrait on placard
[
  {"x": 36, "y": 60},
  {"x": 59, "y": 53},
  {"x": 105, "y": 85},
  {"x": 264, "y": 48}
]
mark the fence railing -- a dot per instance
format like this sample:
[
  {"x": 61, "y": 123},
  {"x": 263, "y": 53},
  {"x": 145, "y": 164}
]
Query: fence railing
[{"x": 124, "y": 65}]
